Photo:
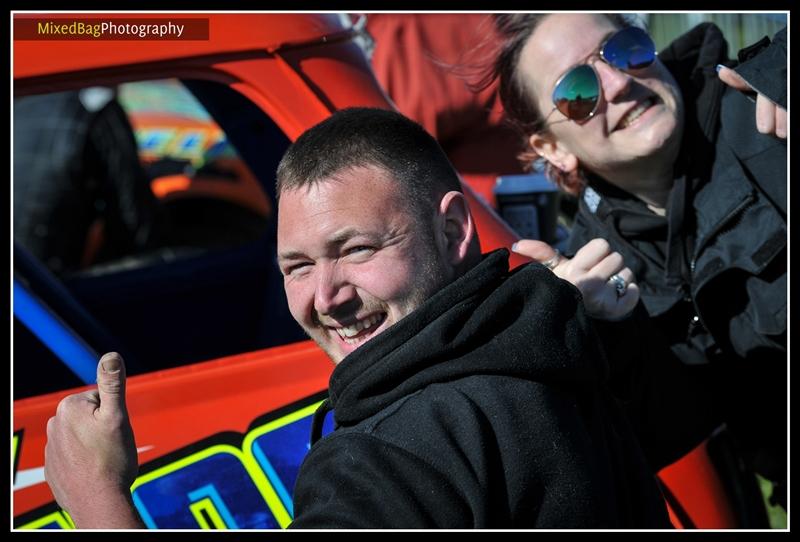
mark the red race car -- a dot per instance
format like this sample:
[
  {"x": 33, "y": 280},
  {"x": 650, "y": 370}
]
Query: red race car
[{"x": 144, "y": 221}]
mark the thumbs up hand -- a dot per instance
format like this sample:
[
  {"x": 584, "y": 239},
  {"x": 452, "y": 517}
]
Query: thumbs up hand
[
  {"x": 607, "y": 285},
  {"x": 90, "y": 456}
]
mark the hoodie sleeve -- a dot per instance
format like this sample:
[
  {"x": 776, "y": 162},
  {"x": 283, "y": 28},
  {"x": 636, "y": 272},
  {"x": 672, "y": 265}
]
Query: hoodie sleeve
[
  {"x": 356, "y": 481},
  {"x": 668, "y": 402},
  {"x": 764, "y": 66}
]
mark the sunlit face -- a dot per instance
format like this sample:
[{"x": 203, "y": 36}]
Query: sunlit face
[
  {"x": 639, "y": 119},
  {"x": 355, "y": 259}
]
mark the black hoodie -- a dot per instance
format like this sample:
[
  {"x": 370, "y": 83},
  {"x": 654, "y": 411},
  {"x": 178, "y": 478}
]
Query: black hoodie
[{"x": 484, "y": 408}]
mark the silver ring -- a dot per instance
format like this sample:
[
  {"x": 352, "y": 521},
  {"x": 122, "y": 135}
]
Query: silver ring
[
  {"x": 619, "y": 284},
  {"x": 554, "y": 261}
]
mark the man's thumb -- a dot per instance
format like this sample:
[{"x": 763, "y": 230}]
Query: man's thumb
[
  {"x": 536, "y": 250},
  {"x": 111, "y": 381}
]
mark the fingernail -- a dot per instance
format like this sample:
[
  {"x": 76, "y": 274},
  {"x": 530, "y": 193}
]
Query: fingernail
[
  {"x": 719, "y": 67},
  {"x": 110, "y": 363},
  {"x": 514, "y": 246}
]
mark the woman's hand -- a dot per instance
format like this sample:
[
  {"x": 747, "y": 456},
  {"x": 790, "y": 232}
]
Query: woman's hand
[{"x": 608, "y": 287}]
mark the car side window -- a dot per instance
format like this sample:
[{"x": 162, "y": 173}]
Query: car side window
[{"x": 152, "y": 204}]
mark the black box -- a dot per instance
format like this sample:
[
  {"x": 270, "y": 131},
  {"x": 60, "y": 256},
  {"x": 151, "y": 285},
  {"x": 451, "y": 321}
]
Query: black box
[{"x": 529, "y": 204}]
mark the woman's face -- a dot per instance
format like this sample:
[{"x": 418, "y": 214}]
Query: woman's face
[{"x": 638, "y": 122}]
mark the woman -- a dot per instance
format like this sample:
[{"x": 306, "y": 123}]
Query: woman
[{"x": 675, "y": 180}]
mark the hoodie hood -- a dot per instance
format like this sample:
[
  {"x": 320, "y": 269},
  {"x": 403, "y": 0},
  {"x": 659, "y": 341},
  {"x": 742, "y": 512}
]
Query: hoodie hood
[{"x": 527, "y": 324}]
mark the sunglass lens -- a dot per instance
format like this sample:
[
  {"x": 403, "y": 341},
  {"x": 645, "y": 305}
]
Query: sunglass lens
[
  {"x": 629, "y": 49},
  {"x": 577, "y": 93}
]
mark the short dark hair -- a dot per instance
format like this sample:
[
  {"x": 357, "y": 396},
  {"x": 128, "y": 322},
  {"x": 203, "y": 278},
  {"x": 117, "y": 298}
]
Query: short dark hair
[{"x": 358, "y": 137}]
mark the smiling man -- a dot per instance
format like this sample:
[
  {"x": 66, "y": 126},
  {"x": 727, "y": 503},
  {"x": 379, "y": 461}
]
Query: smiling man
[
  {"x": 357, "y": 248},
  {"x": 464, "y": 396},
  {"x": 350, "y": 252}
]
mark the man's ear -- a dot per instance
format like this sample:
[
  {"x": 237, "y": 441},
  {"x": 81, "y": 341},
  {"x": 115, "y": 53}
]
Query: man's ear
[
  {"x": 546, "y": 146},
  {"x": 457, "y": 230}
]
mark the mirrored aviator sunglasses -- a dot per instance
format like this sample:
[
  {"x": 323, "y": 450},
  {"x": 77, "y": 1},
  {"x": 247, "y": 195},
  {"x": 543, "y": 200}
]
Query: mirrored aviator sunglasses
[{"x": 577, "y": 92}]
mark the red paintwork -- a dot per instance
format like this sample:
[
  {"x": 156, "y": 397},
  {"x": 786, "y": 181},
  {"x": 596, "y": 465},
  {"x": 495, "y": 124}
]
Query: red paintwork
[
  {"x": 228, "y": 33},
  {"x": 275, "y": 60},
  {"x": 272, "y": 59},
  {"x": 483, "y": 185},
  {"x": 226, "y": 394},
  {"x": 699, "y": 498}
]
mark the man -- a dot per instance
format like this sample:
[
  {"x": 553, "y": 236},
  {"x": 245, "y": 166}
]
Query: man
[{"x": 464, "y": 396}]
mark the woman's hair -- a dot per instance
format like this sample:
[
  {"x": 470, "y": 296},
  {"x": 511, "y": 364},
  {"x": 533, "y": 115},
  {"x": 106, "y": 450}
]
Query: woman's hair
[{"x": 514, "y": 30}]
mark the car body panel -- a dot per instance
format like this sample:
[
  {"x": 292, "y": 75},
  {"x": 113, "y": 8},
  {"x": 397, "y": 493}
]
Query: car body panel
[
  {"x": 227, "y": 435},
  {"x": 226, "y": 395}
]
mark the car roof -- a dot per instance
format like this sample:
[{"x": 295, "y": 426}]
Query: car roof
[{"x": 227, "y": 33}]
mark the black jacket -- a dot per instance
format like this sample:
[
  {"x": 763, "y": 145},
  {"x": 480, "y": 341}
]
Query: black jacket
[
  {"x": 482, "y": 409},
  {"x": 713, "y": 272}
]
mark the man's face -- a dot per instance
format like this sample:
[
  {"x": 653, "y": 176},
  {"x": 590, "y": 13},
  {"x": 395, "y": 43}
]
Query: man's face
[
  {"x": 354, "y": 257},
  {"x": 614, "y": 137}
]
